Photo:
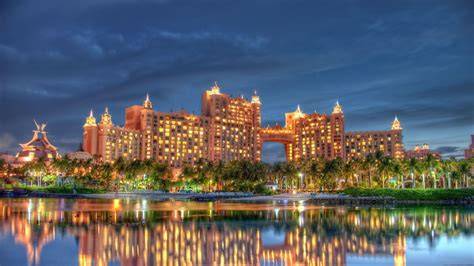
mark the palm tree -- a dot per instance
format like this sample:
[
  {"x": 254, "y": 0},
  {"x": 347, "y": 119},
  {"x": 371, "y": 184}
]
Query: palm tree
[
  {"x": 432, "y": 164},
  {"x": 357, "y": 165},
  {"x": 413, "y": 167},
  {"x": 120, "y": 167},
  {"x": 447, "y": 167},
  {"x": 290, "y": 173},
  {"x": 369, "y": 165},
  {"x": 331, "y": 171},
  {"x": 349, "y": 170},
  {"x": 464, "y": 169},
  {"x": 277, "y": 173},
  {"x": 217, "y": 173},
  {"x": 161, "y": 175},
  {"x": 385, "y": 169},
  {"x": 103, "y": 174},
  {"x": 36, "y": 170},
  {"x": 399, "y": 171},
  {"x": 313, "y": 171},
  {"x": 423, "y": 169},
  {"x": 203, "y": 173},
  {"x": 188, "y": 175}
]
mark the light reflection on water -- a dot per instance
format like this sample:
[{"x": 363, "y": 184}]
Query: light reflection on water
[{"x": 142, "y": 232}]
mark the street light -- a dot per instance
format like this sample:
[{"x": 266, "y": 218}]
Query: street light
[{"x": 300, "y": 174}]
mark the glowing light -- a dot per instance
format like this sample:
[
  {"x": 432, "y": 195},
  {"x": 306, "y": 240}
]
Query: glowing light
[
  {"x": 301, "y": 207},
  {"x": 116, "y": 204},
  {"x": 276, "y": 211}
]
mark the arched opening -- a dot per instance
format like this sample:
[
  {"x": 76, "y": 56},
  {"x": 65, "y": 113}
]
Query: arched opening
[{"x": 273, "y": 152}]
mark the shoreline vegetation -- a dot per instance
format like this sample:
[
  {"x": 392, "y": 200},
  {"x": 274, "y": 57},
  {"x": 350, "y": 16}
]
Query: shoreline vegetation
[
  {"x": 347, "y": 197},
  {"x": 375, "y": 177}
]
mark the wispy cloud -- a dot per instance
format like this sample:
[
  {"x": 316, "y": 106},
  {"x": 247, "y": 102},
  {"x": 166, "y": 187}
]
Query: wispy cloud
[{"x": 7, "y": 142}]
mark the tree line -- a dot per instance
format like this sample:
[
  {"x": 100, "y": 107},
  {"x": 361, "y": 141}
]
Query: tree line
[{"x": 374, "y": 171}]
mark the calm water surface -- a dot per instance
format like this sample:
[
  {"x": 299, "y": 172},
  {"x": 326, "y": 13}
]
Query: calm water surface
[{"x": 142, "y": 232}]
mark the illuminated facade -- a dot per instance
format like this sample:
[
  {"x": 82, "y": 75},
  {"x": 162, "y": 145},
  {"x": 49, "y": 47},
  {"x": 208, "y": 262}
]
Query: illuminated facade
[
  {"x": 359, "y": 144},
  {"x": 226, "y": 130},
  {"x": 234, "y": 125},
  {"x": 421, "y": 152},
  {"x": 39, "y": 147},
  {"x": 307, "y": 136},
  {"x": 230, "y": 129}
]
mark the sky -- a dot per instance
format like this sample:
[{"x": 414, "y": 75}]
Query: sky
[{"x": 413, "y": 59}]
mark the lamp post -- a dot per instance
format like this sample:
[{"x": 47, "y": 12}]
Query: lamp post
[{"x": 300, "y": 174}]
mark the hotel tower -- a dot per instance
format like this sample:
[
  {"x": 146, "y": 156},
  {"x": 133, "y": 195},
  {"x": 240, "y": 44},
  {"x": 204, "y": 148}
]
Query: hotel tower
[
  {"x": 230, "y": 129},
  {"x": 227, "y": 129}
]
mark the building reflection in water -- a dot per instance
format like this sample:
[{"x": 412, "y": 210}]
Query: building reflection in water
[{"x": 135, "y": 233}]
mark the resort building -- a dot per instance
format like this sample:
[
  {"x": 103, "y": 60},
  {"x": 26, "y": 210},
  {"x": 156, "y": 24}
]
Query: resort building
[
  {"x": 233, "y": 126},
  {"x": 359, "y": 144},
  {"x": 228, "y": 129},
  {"x": 38, "y": 148},
  {"x": 469, "y": 152},
  {"x": 307, "y": 136},
  {"x": 420, "y": 152}
]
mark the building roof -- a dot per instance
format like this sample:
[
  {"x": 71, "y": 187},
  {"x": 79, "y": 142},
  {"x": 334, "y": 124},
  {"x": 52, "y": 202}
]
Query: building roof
[{"x": 39, "y": 147}]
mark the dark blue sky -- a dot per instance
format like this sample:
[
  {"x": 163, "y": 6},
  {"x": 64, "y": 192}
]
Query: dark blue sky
[{"x": 413, "y": 59}]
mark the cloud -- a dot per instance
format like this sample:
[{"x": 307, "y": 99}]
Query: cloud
[
  {"x": 450, "y": 151},
  {"x": 7, "y": 142},
  {"x": 237, "y": 39},
  {"x": 378, "y": 59},
  {"x": 447, "y": 149},
  {"x": 10, "y": 54}
]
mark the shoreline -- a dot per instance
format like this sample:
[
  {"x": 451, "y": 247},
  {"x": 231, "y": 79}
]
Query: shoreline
[{"x": 241, "y": 197}]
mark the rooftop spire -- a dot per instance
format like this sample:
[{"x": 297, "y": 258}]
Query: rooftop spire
[
  {"x": 255, "y": 98},
  {"x": 106, "y": 118},
  {"x": 337, "y": 108},
  {"x": 214, "y": 89},
  {"x": 396, "y": 125},
  {"x": 90, "y": 120},
  {"x": 298, "y": 109},
  {"x": 297, "y": 113},
  {"x": 147, "y": 103}
]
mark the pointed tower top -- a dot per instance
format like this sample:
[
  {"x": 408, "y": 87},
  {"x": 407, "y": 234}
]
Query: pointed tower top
[
  {"x": 147, "y": 103},
  {"x": 214, "y": 89},
  {"x": 297, "y": 113},
  {"x": 337, "y": 108},
  {"x": 396, "y": 125},
  {"x": 39, "y": 127},
  {"x": 298, "y": 109},
  {"x": 106, "y": 118},
  {"x": 90, "y": 120},
  {"x": 255, "y": 97}
]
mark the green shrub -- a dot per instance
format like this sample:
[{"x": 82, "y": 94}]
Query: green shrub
[
  {"x": 262, "y": 190},
  {"x": 64, "y": 189},
  {"x": 413, "y": 194}
]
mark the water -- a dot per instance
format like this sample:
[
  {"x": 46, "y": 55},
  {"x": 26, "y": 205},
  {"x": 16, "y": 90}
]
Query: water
[{"x": 142, "y": 232}]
